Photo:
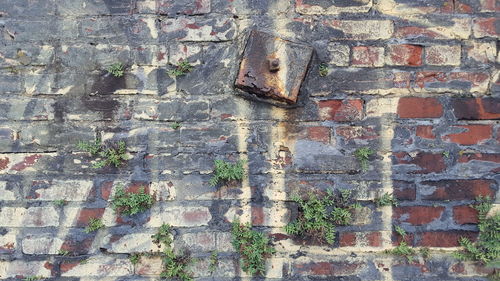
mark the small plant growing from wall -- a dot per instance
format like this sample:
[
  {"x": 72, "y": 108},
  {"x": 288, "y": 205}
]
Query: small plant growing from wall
[
  {"x": 174, "y": 265},
  {"x": 110, "y": 154},
  {"x": 130, "y": 203},
  {"x": 386, "y": 200},
  {"x": 323, "y": 69},
  {"x": 94, "y": 225},
  {"x": 116, "y": 69},
  {"x": 487, "y": 247},
  {"x": 183, "y": 67},
  {"x": 225, "y": 172},
  {"x": 363, "y": 155},
  {"x": 402, "y": 249},
  {"x": 252, "y": 246},
  {"x": 318, "y": 217}
]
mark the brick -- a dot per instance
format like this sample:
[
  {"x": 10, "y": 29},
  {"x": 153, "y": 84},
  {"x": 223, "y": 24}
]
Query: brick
[
  {"x": 193, "y": 29},
  {"x": 14, "y": 269},
  {"x": 443, "y": 238},
  {"x": 362, "y": 30},
  {"x": 6, "y": 194},
  {"x": 443, "y": 55},
  {"x": 347, "y": 239},
  {"x": 403, "y": 190},
  {"x": 341, "y": 110},
  {"x": 149, "y": 266},
  {"x": 8, "y": 243},
  {"x": 452, "y": 81},
  {"x": 486, "y": 27},
  {"x": 404, "y": 55},
  {"x": 482, "y": 52},
  {"x": 180, "y": 216},
  {"x": 487, "y": 157},
  {"x": 130, "y": 243},
  {"x": 189, "y": 52},
  {"x": 309, "y": 7},
  {"x": 413, "y": 107},
  {"x": 356, "y": 133},
  {"x": 41, "y": 245},
  {"x": 339, "y": 54},
  {"x": 367, "y": 56},
  {"x": 457, "y": 189},
  {"x": 476, "y": 108},
  {"x": 98, "y": 266},
  {"x": 457, "y": 28},
  {"x": 318, "y": 133},
  {"x": 68, "y": 190},
  {"x": 198, "y": 242},
  {"x": 24, "y": 162},
  {"x": 327, "y": 268},
  {"x": 30, "y": 217},
  {"x": 172, "y": 110},
  {"x": 425, "y": 132},
  {"x": 183, "y": 7},
  {"x": 417, "y": 215},
  {"x": 374, "y": 239},
  {"x": 426, "y": 162},
  {"x": 472, "y": 134},
  {"x": 27, "y": 109},
  {"x": 465, "y": 214}
]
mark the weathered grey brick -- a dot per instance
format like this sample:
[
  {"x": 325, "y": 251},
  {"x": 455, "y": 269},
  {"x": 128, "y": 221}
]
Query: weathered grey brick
[
  {"x": 194, "y": 29},
  {"x": 183, "y": 7},
  {"x": 174, "y": 110},
  {"x": 26, "y": 109}
]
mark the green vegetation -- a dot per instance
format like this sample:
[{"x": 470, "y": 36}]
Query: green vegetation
[
  {"x": 363, "y": 154},
  {"x": 63, "y": 252},
  {"x": 487, "y": 247},
  {"x": 252, "y": 246},
  {"x": 94, "y": 225},
  {"x": 182, "y": 68},
  {"x": 60, "y": 203},
  {"x": 175, "y": 125},
  {"x": 214, "y": 260},
  {"x": 323, "y": 69},
  {"x": 130, "y": 203},
  {"x": 135, "y": 258},
  {"x": 175, "y": 265},
  {"x": 111, "y": 154},
  {"x": 116, "y": 69},
  {"x": 33, "y": 278},
  {"x": 386, "y": 200},
  {"x": 446, "y": 154},
  {"x": 225, "y": 172},
  {"x": 402, "y": 249},
  {"x": 318, "y": 217}
]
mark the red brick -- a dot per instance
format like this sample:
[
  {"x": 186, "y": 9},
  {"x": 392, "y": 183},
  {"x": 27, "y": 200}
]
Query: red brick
[
  {"x": 347, "y": 239},
  {"x": 459, "y": 189},
  {"x": 488, "y": 157},
  {"x": 374, "y": 239},
  {"x": 257, "y": 215},
  {"x": 367, "y": 56},
  {"x": 403, "y": 190},
  {"x": 417, "y": 215},
  {"x": 474, "y": 134},
  {"x": 486, "y": 27},
  {"x": 443, "y": 239},
  {"x": 341, "y": 110},
  {"x": 407, "y": 55},
  {"x": 397, "y": 239},
  {"x": 428, "y": 162},
  {"x": 432, "y": 79},
  {"x": 85, "y": 215},
  {"x": 465, "y": 214},
  {"x": 425, "y": 132},
  {"x": 476, "y": 108},
  {"x": 327, "y": 268},
  {"x": 352, "y": 132},
  {"x": 319, "y": 133},
  {"x": 77, "y": 245},
  {"x": 413, "y": 107}
]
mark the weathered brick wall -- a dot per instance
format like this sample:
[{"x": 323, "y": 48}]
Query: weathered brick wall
[{"x": 417, "y": 81}]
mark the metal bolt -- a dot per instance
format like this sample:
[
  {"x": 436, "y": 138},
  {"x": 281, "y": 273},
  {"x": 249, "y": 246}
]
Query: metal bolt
[{"x": 274, "y": 65}]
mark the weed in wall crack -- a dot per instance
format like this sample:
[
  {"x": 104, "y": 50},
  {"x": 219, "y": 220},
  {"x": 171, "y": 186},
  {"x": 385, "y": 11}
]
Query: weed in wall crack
[
  {"x": 110, "y": 154},
  {"x": 130, "y": 203},
  {"x": 183, "y": 67},
  {"x": 116, "y": 69},
  {"x": 226, "y": 172}
]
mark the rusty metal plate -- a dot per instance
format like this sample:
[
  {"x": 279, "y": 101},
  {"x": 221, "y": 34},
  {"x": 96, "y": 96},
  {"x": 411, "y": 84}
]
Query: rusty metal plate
[{"x": 273, "y": 68}]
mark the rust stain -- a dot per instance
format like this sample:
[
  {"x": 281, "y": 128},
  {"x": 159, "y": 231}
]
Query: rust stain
[{"x": 273, "y": 68}]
